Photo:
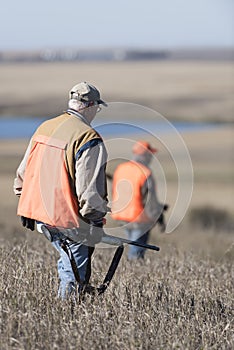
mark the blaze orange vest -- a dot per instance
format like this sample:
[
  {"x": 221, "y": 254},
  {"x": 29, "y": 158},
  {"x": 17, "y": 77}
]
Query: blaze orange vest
[
  {"x": 48, "y": 193},
  {"x": 127, "y": 201}
]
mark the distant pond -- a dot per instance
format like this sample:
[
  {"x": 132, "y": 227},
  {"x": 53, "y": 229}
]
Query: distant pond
[{"x": 24, "y": 127}]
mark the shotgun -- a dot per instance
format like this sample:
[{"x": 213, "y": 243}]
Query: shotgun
[{"x": 54, "y": 234}]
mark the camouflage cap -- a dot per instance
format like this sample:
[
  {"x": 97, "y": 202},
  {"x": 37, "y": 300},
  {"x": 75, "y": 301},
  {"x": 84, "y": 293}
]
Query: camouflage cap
[{"x": 86, "y": 92}]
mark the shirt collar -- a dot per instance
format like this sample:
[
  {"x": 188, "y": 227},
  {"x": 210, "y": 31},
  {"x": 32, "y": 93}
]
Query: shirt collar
[{"x": 77, "y": 114}]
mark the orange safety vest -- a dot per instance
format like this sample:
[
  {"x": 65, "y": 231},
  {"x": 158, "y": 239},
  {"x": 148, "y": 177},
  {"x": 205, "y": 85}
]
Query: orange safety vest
[
  {"x": 127, "y": 202},
  {"x": 48, "y": 193}
]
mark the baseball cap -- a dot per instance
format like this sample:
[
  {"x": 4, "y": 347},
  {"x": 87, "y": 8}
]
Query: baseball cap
[
  {"x": 141, "y": 147},
  {"x": 86, "y": 92}
]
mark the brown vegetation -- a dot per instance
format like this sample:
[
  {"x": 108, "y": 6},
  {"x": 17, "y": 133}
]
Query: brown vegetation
[
  {"x": 180, "y": 90},
  {"x": 177, "y": 300}
]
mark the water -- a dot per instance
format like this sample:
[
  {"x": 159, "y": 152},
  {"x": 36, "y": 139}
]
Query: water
[{"x": 11, "y": 128}]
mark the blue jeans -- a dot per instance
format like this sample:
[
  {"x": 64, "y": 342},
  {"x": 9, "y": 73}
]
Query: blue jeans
[
  {"x": 82, "y": 255},
  {"x": 140, "y": 236}
]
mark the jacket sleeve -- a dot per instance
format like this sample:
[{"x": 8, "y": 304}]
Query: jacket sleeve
[
  {"x": 18, "y": 182},
  {"x": 151, "y": 204},
  {"x": 91, "y": 188}
]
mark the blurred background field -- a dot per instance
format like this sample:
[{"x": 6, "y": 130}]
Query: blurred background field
[{"x": 179, "y": 90}]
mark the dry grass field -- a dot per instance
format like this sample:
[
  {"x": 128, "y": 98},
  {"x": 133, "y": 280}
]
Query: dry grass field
[
  {"x": 180, "y": 297},
  {"x": 174, "y": 301},
  {"x": 179, "y": 90}
]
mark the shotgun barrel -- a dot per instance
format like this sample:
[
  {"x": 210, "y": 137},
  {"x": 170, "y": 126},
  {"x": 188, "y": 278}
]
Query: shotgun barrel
[{"x": 117, "y": 241}]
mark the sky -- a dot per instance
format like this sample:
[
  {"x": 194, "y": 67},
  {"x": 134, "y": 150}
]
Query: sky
[{"x": 149, "y": 24}]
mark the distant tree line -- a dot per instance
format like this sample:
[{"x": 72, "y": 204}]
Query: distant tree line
[{"x": 71, "y": 55}]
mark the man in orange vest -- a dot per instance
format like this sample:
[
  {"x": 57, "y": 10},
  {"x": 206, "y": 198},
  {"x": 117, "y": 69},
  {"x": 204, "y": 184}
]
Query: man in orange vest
[
  {"x": 61, "y": 181},
  {"x": 134, "y": 199}
]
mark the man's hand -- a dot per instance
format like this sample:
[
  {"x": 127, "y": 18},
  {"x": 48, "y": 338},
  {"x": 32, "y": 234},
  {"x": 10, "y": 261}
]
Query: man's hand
[
  {"x": 90, "y": 236},
  {"x": 28, "y": 223}
]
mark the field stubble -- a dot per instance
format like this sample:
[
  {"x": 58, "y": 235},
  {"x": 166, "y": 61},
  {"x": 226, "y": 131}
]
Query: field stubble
[{"x": 173, "y": 301}]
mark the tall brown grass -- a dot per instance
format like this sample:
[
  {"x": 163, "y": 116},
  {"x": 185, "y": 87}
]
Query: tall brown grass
[{"x": 176, "y": 299}]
